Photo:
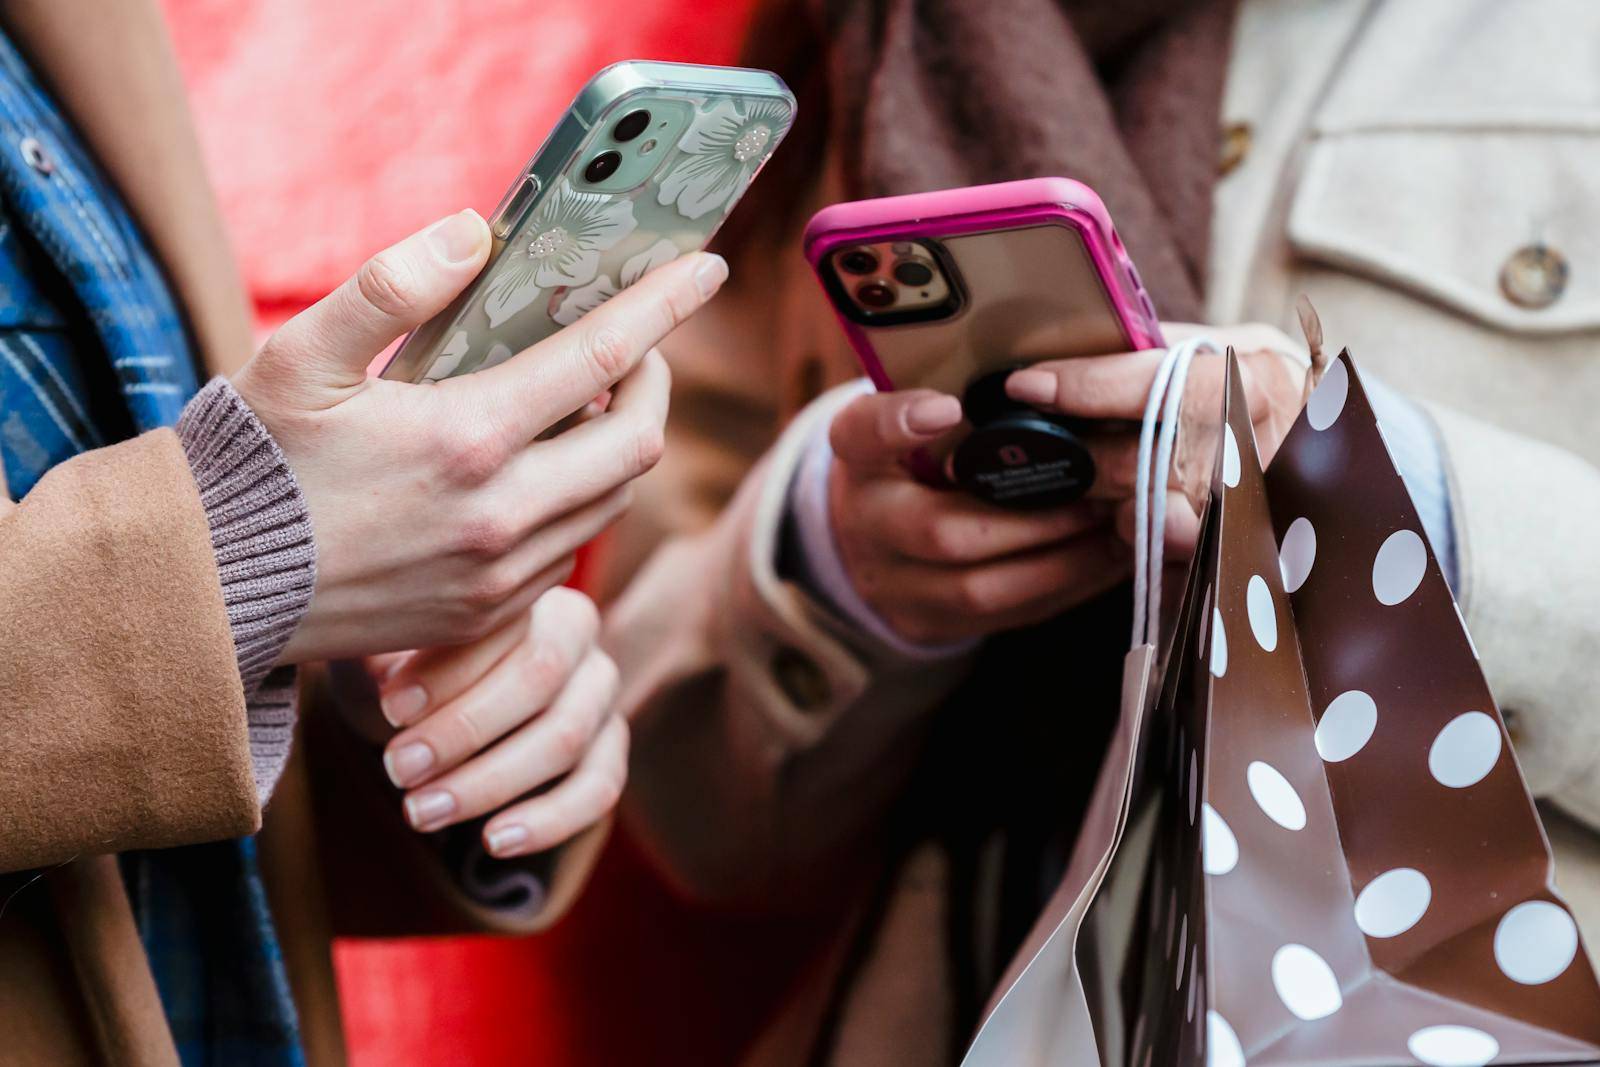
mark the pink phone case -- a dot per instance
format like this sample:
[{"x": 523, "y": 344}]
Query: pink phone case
[{"x": 1015, "y": 205}]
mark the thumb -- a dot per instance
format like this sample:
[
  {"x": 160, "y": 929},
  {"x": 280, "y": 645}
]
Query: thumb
[
  {"x": 332, "y": 342},
  {"x": 879, "y": 429}
]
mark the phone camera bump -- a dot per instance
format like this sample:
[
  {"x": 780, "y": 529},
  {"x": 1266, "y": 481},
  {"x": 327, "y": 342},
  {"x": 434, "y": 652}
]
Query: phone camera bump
[
  {"x": 859, "y": 261},
  {"x": 602, "y": 167},
  {"x": 632, "y": 125},
  {"x": 913, "y": 272},
  {"x": 876, "y": 294}
]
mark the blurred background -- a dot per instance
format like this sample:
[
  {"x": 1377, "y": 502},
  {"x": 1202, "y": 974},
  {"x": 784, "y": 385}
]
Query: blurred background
[{"x": 332, "y": 129}]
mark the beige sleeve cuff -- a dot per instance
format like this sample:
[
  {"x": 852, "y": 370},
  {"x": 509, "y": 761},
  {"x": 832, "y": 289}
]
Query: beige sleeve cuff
[{"x": 1526, "y": 515}]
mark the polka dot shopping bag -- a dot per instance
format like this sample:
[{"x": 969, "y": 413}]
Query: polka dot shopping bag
[{"x": 1310, "y": 843}]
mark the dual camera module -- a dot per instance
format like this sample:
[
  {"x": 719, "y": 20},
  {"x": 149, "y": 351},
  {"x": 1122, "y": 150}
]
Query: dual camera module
[
  {"x": 628, "y": 129},
  {"x": 899, "y": 280}
]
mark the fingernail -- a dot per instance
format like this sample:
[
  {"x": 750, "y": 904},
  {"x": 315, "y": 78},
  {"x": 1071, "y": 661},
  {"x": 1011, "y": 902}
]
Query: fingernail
[
  {"x": 710, "y": 273},
  {"x": 427, "y": 811},
  {"x": 458, "y": 238},
  {"x": 408, "y": 763},
  {"x": 403, "y": 705},
  {"x": 1032, "y": 387},
  {"x": 507, "y": 839},
  {"x": 932, "y": 414}
]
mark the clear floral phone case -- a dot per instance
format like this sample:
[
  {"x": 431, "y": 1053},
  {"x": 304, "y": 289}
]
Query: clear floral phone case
[{"x": 644, "y": 168}]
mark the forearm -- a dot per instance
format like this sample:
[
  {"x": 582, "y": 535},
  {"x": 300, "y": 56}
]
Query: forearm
[{"x": 124, "y": 718}]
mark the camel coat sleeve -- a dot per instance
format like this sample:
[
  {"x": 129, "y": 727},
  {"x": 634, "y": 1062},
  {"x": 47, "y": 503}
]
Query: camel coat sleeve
[{"x": 121, "y": 712}]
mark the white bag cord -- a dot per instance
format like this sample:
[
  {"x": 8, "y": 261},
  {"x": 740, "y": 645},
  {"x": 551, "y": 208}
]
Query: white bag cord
[{"x": 1150, "y": 491}]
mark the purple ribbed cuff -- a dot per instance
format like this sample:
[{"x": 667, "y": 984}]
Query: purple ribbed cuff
[{"x": 266, "y": 557}]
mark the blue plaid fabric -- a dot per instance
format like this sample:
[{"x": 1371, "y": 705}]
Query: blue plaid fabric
[{"x": 92, "y": 349}]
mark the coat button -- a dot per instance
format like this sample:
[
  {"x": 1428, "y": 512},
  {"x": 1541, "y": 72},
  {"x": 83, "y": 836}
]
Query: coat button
[
  {"x": 34, "y": 154},
  {"x": 801, "y": 680},
  {"x": 1236, "y": 139},
  {"x": 1534, "y": 276}
]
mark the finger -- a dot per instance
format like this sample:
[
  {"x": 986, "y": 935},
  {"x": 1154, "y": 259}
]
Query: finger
[
  {"x": 548, "y": 541},
  {"x": 876, "y": 431},
  {"x": 562, "y": 373},
  {"x": 523, "y": 683},
  {"x": 585, "y": 797},
  {"x": 1118, "y": 386},
  {"x": 922, "y": 523},
  {"x": 950, "y": 604},
  {"x": 1182, "y": 527},
  {"x": 332, "y": 342},
  {"x": 436, "y": 676},
  {"x": 596, "y": 456},
  {"x": 535, "y": 754}
]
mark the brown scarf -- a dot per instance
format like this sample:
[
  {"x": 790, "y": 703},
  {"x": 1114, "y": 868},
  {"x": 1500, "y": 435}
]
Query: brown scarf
[{"x": 1122, "y": 96}]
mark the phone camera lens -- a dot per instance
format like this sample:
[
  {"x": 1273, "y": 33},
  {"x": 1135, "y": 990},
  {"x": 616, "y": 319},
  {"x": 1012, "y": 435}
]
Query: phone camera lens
[
  {"x": 859, "y": 261},
  {"x": 913, "y": 273},
  {"x": 631, "y": 126},
  {"x": 602, "y": 167},
  {"x": 876, "y": 295}
]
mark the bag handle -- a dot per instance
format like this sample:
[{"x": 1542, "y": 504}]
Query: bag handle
[{"x": 1150, "y": 492}]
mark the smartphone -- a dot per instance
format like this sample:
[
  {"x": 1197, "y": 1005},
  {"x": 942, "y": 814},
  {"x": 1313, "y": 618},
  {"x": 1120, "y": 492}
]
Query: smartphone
[
  {"x": 952, "y": 290},
  {"x": 643, "y": 168}
]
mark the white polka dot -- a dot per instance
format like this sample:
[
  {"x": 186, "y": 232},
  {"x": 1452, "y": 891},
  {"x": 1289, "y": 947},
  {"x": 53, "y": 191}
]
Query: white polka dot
[
  {"x": 1305, "y": 983},
  {"x": 1346, "y": 726},
  {"x": 1219, "y": 645},
  {"x": 1230, "y": 457},
  {"x": 1194, "y": 779},
  {"x": 1219, "y": 849},
  {"x": 1194, "y": 966},
  {"x": 1466, "y": 749},
  {"x": 1535, "y": 942},
  {"x": 1183, "y": 946},
  {"x": 1172, "y": 918},
  {"x": 1298, "y": 552},
  {"x": 1470, "y": 642},
  {"x": 1327, "y": 401},
  {"x": 1393, "y": 902},
  {"x": 1222, "y": 1044},
  {"x": 1399, "y": 567},
  {"x": 1275, "y": 795},
  {"x": 1453, "y": 1046},
  {"x": 1205, "y": 613},
  {"x": 1263, "y": 613}
]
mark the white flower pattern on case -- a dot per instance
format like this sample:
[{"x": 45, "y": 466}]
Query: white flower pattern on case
[
  {"x": 580, "y": 302},
  {"x": 570, "y": 231},
  {"x": 720, "y": 154},
  {"x": 449, "y": 358}
]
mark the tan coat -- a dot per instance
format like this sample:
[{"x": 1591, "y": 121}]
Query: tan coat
[
  {"x": 1398, "y": 155},
  {"x": 121, "y": 707}
]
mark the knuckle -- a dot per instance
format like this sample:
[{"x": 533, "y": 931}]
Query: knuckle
[
  {"x": 605, "y": 351},
  {"x": 568, "y": 742},
  {"x": 461, "y": 735},
  {"x": 649, "y": 444},
  {"x": 474, "y": 452},
  {"x": 977, "y": 593},
  {"x": 389, "y": 285},
  {"x": 913, "y": 627},
  {"x": 545, "y": 669},
  {"x": 945, "y": 538},
  {"x": 488, "y": 535}
]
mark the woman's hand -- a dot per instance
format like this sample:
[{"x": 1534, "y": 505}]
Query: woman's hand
[
  {"x": 439, "y": 515},
  {"x": 484, "y": 724},
  {"x": 1116, "y": 387},
  {"x": 940, "y": 566}
]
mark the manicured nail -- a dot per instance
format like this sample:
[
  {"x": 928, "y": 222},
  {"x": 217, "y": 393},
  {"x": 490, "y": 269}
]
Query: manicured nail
[
  {"x": 408, "y": 763},
  {"x": 710, "y": 273},
  {"x": 458, "y": 239},
  {"x": 403, "y": 705},
  {"x": 933, "y": 414},
  {"x": 428, "y": 811},
  {"x": 1032, "y": 387},
  {"x": 507, "y": 840}
]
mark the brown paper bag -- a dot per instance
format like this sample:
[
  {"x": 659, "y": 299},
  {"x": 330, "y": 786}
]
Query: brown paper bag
[{"x": 1327, "y": 854}]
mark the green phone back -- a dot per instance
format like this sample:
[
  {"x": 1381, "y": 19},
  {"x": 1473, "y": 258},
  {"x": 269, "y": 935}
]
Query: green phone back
[{"x": 563, "y": 247}]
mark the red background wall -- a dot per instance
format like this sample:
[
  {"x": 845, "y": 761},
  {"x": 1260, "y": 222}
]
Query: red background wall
[{"x": 332, "y": 129}]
